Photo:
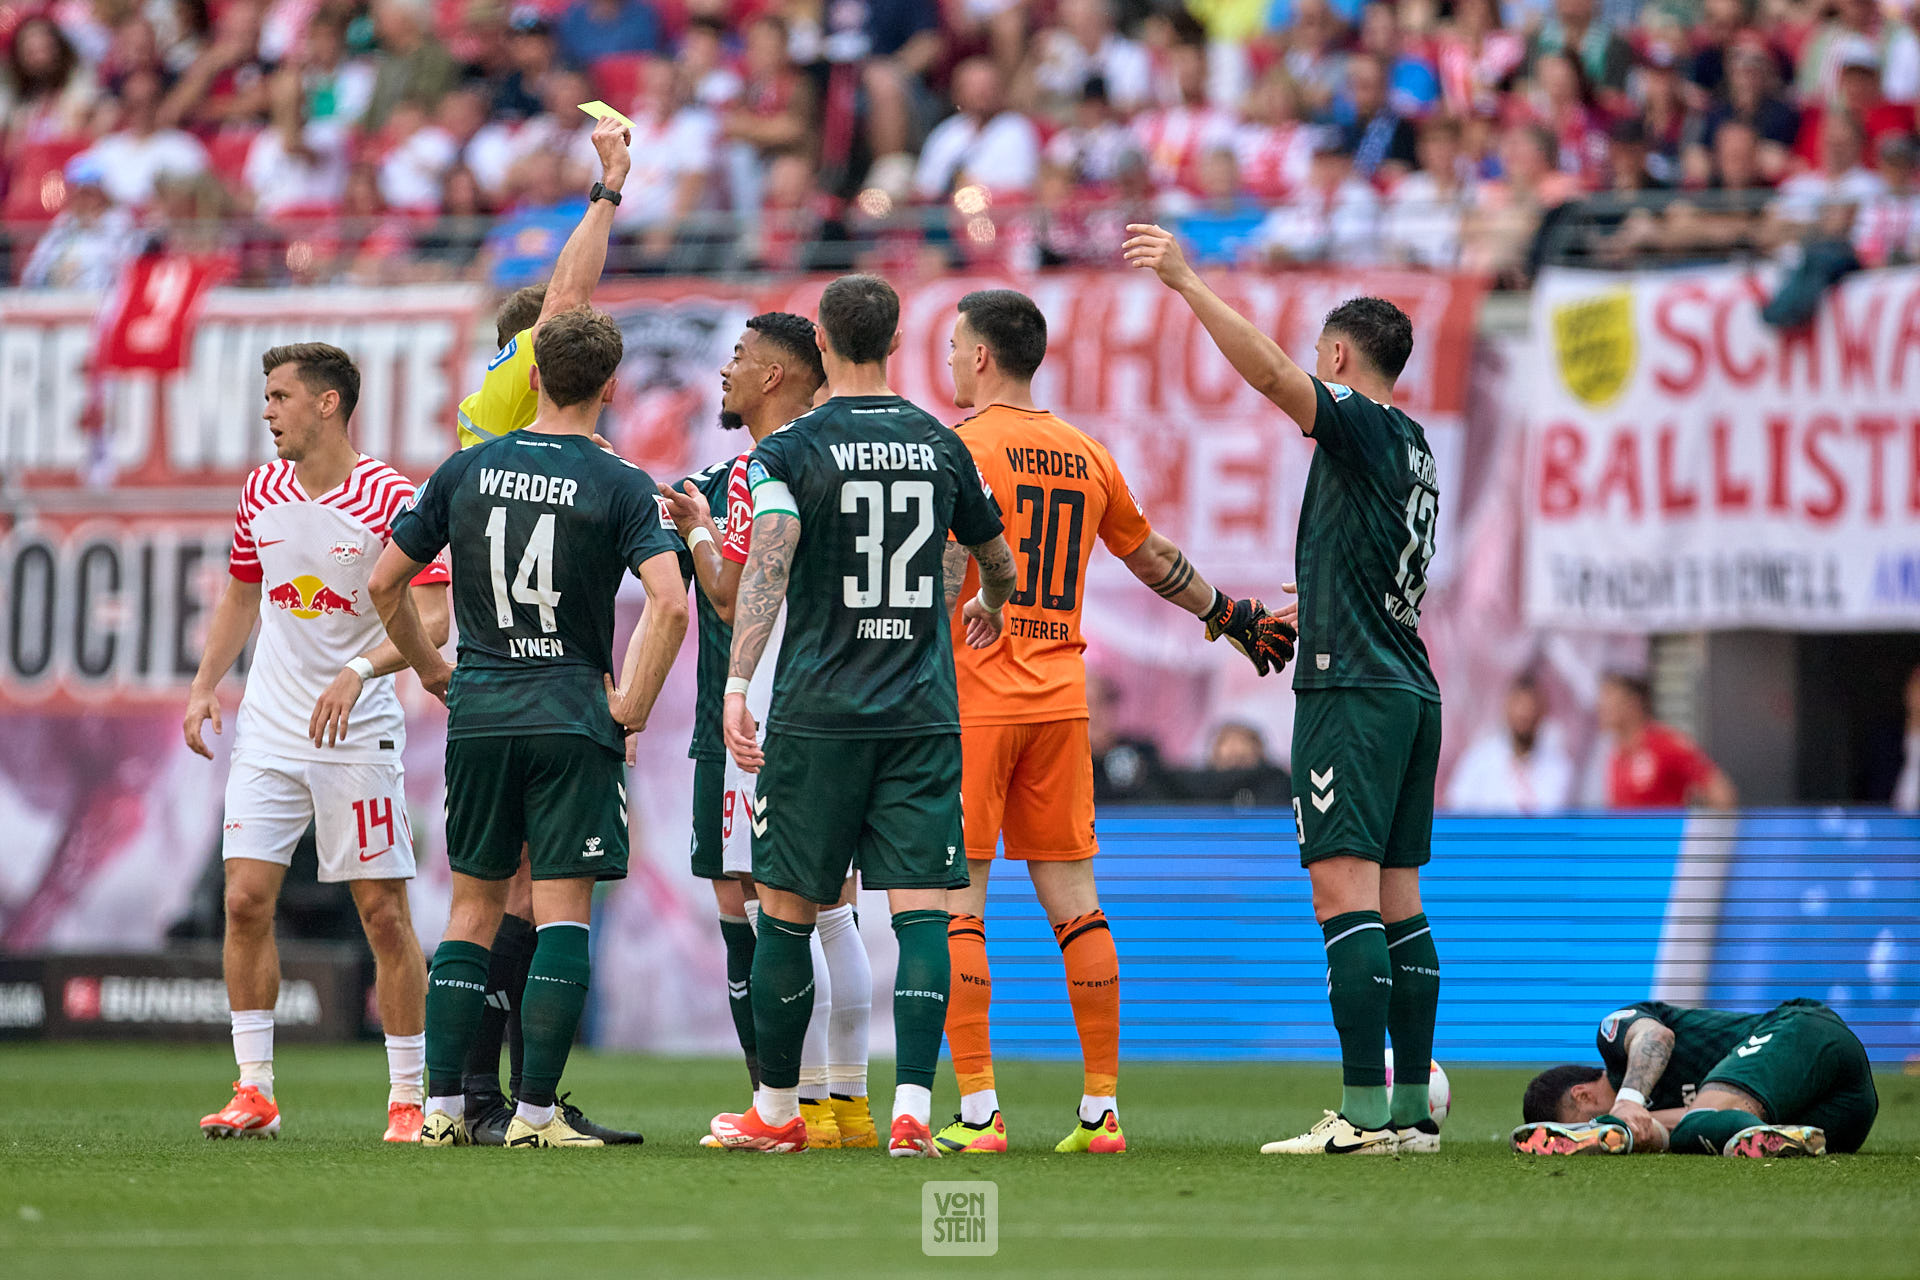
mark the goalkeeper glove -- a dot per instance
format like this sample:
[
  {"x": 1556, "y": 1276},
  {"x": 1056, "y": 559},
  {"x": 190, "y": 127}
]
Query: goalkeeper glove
[{"x": 1265, "y": 639}]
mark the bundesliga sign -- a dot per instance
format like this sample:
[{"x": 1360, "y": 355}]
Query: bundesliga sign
[{"x": 1690, "y": 467}]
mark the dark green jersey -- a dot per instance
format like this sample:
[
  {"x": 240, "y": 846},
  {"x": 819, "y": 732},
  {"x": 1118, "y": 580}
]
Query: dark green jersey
[
  {"x": 1365, "y": 540},
  {"x": 716, "y": 637},
  {"x": 1701, "y": 1038},
  {"x": 877, "y": 484},
  {"x": 542, "y": 529}
]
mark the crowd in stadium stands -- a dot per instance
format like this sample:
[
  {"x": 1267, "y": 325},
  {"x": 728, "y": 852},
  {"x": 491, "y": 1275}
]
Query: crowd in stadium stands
[{"x": 325, "y": 138}]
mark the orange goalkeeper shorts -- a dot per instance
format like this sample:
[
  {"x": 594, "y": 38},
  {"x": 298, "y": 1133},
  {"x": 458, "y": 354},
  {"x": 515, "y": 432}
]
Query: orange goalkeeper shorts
[{"x": 1031, "y": 782}]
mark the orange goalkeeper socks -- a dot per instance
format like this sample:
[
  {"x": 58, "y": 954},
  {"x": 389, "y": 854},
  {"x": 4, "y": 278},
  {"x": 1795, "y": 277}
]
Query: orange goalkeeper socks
[
  {"x": 1093, "y": 986},
  {"x": 968, "y": 1003}
]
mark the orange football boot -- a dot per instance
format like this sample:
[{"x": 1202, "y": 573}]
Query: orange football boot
[
  {"x": 251, "y": 1114},
  {"x": 911, "y": 1138},
  {"x": 403, "y": 1122},
  {"x": 750, "y": 1133}
]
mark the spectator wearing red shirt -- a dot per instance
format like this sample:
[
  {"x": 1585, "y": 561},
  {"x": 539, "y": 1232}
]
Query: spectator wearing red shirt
[
  {"x": 1860, "y": 97},
  {"x": 1654, "y": 766}
]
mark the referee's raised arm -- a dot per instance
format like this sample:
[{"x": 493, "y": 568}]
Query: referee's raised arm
[
  {"x": 577, "y": 270},
  {"x": 1255, "y": 356}
]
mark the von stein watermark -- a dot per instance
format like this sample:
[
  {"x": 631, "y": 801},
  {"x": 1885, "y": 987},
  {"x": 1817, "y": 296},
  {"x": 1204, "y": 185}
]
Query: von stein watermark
[{"x": 959, "y": 1219}]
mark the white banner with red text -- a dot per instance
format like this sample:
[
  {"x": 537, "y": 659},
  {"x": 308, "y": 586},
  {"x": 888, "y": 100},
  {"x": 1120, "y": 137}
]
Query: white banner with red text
[{"x": 1690, "y": 467}]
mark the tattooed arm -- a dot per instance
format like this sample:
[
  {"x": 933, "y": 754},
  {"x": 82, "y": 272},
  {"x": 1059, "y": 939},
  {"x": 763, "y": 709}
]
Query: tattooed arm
[
  {"x": 1649, "y": 1046},
  {"x": 1164, "y": 568},
  {"x": 756, "y": 607},
  {"x": 982, "y": 613},
  {"x": 953, "y": 565}
]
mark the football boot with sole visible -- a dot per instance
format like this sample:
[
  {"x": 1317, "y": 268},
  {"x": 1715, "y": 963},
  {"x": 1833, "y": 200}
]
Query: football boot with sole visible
[
  {"x": 1771, "y": 1141},
  {"x": 251, "y": 1114},
  {"x": 1588, "y": 1137}
]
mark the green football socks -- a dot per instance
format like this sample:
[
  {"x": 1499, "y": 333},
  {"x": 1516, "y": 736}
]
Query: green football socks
[
  {"x": 1706, "y": 1133},
  {"x": 737, "y": 933},
  {"x": 456, "y": 993},
  {"x": 1411, "y": 1011},
  {"x": 782, "y": 996},
  {"x": 1360, "y": 988},
  {"x": 550, "y": 1011},
  {"x": 507, "y": 963},
  {"x": 920, "y": 994}
]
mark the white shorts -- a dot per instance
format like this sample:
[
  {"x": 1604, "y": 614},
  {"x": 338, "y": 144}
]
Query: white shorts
[
  {"x": 359, "y": 812},
  {"x": 736, "y": 821}
]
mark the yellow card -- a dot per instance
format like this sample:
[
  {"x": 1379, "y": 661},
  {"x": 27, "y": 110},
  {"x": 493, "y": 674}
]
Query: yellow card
[{"x": 601, "y": 111}]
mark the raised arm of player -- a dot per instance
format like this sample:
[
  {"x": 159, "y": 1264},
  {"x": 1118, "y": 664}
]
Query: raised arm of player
[
  {"x": 997, "y": 580},
  {"x": 763, "y": 589},
  {"x": 1254, "y": 355},
  {"x": 227, "y": 636},
  {"x": 328, "y": 723},
  {"x": 718, "y": 576},
  {"x": 577, "y": 270},
  {"x": 1649, "y": 1046},
  {"x": 392, "y": 575}
]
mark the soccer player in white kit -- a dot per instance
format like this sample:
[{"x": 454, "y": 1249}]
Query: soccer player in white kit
[{"x": 320, "y": 726}]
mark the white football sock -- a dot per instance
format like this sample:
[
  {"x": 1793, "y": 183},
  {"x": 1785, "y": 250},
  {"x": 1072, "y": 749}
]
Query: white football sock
[
  {"x": 406, "y": 1068},
  {"x": 253, "y": 1047},
  {"x": 538, "y": 1117},
  {"x": 913, "y": 1100},
  {"x": 848, "y": 1026},
  {"x": 777, "y": 1106},
  {"x": 813, "y": 1050},
  {"x": 1092, "y": 1107},
  {"x": 978, "y": 1108},
  {"x": 456, "y": 1106},
  {"x": 753, "y": 915}
]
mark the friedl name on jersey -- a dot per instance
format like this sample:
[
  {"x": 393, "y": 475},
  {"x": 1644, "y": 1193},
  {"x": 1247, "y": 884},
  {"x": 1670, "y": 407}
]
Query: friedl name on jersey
[
  {"x": 882, "y": 455},
  {"x": 535, "y": 647},
  {"x": 1047, "y": 462},
  {"x": 885, "y": 629},
  {"x": 520, "y": 486}
]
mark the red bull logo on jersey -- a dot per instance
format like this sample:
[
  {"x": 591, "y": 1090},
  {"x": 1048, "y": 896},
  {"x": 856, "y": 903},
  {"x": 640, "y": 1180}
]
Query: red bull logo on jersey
[{"x": 308, "y": 597}]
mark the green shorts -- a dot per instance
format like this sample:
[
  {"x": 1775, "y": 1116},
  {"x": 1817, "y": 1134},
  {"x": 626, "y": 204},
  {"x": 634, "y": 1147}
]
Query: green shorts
[
  {"x": 1364, "y": 763},
  {"x": 1805, "y": 1066},
  {"x": 561, "y": 794},
  {"x": 709, "y": 796},
  {"x": 891, "y": 806}
]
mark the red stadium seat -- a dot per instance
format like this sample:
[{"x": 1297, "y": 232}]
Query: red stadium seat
[{"x": 38, "y": 189}]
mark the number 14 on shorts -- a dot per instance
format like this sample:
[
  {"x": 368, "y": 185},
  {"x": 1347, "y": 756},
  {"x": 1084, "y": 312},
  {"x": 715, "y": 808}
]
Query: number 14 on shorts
[{"x": 372, "y": 816}]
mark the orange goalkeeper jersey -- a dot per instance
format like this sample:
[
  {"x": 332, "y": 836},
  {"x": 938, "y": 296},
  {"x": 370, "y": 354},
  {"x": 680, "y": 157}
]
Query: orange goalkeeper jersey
[{"x": 1057, "y": 487}]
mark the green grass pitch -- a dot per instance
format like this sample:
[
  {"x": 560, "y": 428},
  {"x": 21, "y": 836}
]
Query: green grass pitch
[{"x": 103, "y": 1173}]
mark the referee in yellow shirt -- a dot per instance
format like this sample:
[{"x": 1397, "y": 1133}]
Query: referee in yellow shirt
[{"x": 506, "y": 402}]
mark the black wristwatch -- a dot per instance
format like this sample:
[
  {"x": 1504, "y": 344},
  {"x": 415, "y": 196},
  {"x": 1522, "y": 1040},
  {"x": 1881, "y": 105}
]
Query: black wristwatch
[{"x": 601, "y": 191}]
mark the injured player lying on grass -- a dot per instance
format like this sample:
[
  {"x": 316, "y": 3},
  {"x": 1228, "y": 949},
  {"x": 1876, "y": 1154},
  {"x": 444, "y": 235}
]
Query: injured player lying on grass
[{"x": 1791, "y": 1081}]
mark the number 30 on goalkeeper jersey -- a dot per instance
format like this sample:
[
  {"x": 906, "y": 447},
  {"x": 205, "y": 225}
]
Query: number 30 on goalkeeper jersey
[{"x": 313, "y": 557}]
